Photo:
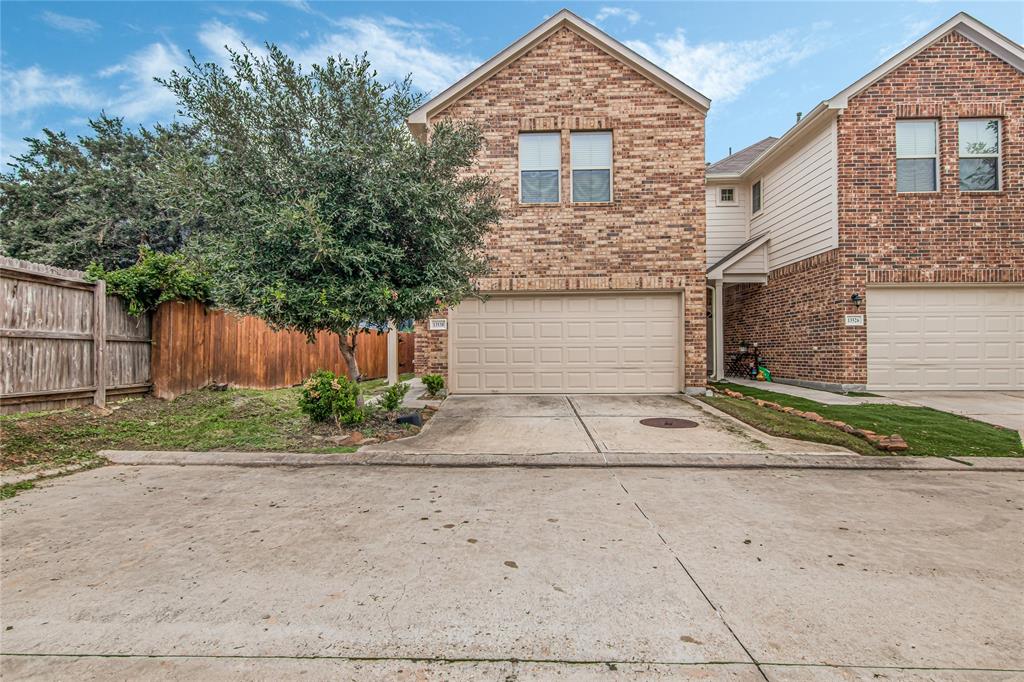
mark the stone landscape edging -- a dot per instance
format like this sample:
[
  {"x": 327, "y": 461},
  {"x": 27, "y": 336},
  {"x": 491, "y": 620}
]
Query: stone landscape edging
[{"x": 892, "y": 443}]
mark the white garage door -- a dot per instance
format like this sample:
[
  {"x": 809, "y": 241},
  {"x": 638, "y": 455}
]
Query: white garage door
[
  {"x": 574, "y": 343},
  {"x": 946, "y": 338}
]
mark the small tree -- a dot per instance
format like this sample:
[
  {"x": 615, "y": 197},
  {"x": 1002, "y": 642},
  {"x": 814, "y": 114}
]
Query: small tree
[
  {"x": 323, "y": 212},
  {"x": 71, "y": 203}
]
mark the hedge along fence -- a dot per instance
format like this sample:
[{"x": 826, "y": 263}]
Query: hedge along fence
[
  {"x": 64, "y": 342},
  {"x": 194, "y": 346}
]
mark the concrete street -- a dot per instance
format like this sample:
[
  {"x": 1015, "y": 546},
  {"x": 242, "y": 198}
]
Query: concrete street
[{"x": 362, "y": 572}]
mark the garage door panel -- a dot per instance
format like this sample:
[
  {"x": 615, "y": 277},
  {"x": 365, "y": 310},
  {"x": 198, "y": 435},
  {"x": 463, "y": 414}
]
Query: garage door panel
[
  {"x": 568, "y": 343},
  {"x": 945, "y": 338}
]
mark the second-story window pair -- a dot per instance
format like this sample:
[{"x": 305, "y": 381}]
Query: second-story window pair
[
  {"x": 540, "y": 164},
  {"x": 917, "y": 155}
]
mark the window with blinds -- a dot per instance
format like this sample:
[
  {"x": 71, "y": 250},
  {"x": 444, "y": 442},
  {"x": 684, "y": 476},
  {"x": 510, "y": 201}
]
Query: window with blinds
[
  {"x": 591, "y": 155},
  {"x": 540, "y": 157},
  {"x": 917, "y": 158}
]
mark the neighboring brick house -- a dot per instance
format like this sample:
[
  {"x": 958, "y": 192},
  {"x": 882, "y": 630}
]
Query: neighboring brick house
[
  {"x": 879, "y": 243},
  {"x": 597, "y": 279}
]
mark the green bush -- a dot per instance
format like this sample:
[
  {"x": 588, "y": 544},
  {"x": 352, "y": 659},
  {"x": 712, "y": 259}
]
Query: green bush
[
  {"x": 391, "y": 399},
  {"x": 326, "y": 395},
  {"x": 154, "y": 279},
  {"x": 434, "y": 383}
]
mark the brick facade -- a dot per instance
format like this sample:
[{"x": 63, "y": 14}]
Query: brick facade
[
  {"x": 946, "y": 236},
  {"x": 652, "y": 234}
]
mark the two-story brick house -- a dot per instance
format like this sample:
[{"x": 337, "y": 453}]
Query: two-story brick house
[
  {"x": 879, "y": 243},
  {"x": 597, "y": 270}
]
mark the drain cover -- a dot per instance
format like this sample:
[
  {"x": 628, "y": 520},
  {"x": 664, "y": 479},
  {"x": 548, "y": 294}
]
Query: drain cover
[{"x": 668, "y": 423}]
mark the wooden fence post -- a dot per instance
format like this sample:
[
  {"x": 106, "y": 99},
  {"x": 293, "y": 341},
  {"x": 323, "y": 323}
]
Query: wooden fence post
[{"x": 99, "y": 342}]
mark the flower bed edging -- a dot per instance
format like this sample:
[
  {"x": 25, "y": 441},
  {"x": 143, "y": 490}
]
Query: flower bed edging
[{"x": 893, "y": 443}]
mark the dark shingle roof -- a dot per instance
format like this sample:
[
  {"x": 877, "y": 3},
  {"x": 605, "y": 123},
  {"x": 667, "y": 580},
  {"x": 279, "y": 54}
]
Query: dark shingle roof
[{"x": 738, "y": 162}]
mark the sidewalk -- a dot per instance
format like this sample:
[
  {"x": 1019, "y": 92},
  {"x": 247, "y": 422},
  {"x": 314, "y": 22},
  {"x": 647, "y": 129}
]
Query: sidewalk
[{"x": 818, "y": 396}]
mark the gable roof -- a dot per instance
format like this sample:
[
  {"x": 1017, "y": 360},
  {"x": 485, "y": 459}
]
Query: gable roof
[
  {"x": 962, "y": 23},
  {"x": 563, "y": 18},
  {"x": 738, "y": 162}
]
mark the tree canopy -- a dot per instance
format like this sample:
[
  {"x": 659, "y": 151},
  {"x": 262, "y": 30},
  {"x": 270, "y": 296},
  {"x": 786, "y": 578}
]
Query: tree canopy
[
  {"x": 321, "y": 210},
  {"x": 70, "y": 203}
]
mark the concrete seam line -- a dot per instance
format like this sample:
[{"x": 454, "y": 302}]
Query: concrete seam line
[
  {"x": 718, "y": 612},
  {"x": 424, "y": 659},
  {"x": 313, "y": 657},
  {"x": 586, "y": 429}
]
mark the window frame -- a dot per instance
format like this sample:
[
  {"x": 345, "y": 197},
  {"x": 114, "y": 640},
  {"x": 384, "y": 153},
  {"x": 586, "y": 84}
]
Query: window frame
[
  {"x": 934, "y": 157},
  {"x": 611, "y": 166},
  {"x": 760, "y": 197},
  {"x": 719, "y": 201},
  {"x": 519, "y": 160},
  {"x": 998, "y": 156}
]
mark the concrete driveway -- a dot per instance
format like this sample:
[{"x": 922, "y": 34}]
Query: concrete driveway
[
  {"x": 580, "y": 424},
  {"x": 1002, "y": 408},
  {"x": 370, "y": 572}
]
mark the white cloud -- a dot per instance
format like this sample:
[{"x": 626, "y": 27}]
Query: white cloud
[
  {"x": 141, "y": 98},
  {"x": 912, "y": 30},
  {"x": 723, "y": 70},
  {"x": 65, "y": 23},
  {"x": 215, "y": 36},
  {"x": 241, "y": 13},
  {"x": 32, "y": 87},
  {"x": 630, "y": 16},
  {"x": 394, "y": 49}
]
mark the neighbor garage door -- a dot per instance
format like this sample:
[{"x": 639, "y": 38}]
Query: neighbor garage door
[
  {"x": 945, "y": 338},
  {"x": 579, "y": 343}
]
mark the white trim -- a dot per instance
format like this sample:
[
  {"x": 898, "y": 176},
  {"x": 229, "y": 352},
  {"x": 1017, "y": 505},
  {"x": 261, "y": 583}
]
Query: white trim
[
  {"x": 564, "y": 18},
  {"x": 719, "y": 201},
  {"x": 718, "y": 272},
  {"x": 754, "y": 212},
  {"x": 936, "y": 124},
  {"x": 610, "y": 167},
  {"x": 519, "y": 176},
  {"x": 998, "y": 155},
  {"x": 964, "y": 24}
]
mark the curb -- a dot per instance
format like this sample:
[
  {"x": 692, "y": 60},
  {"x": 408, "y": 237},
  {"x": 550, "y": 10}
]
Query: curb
[{"x": 598, "y": 460}]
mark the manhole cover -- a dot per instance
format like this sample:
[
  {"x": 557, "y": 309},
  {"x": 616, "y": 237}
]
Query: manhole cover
[{"x": 668, "y": 423}]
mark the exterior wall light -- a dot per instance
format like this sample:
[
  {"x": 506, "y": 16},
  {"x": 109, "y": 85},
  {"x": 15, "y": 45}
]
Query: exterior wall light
[{"x": 857, "y": 299}]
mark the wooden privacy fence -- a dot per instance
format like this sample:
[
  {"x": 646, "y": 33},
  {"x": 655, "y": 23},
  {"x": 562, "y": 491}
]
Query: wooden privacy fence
[
  {"x": 64, "y": 342},
  {"x": 194, "y": 346}
]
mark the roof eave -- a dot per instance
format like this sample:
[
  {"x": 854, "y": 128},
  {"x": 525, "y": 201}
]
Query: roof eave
[{"x": 515, "y": 50}]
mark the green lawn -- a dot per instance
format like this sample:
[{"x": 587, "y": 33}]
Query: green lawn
[
  {"x": 928, "y": 432},
  {"x": 239, "y": 419}
]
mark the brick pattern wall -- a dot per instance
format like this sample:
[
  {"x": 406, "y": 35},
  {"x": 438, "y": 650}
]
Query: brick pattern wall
[
  {"x": 795, "y": 319},
  {"x": 884, "y": 237},
  {"x": 650, "y": 236},
  {"x": 947, "y": 236}
]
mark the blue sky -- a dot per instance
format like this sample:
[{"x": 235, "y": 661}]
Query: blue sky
[{"x": 760, "y": 63}]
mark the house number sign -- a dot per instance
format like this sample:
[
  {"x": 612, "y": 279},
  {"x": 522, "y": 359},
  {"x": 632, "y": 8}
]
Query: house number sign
[
  {"x": 438, "y": 324},
  {"x": 854, "y": 320}
]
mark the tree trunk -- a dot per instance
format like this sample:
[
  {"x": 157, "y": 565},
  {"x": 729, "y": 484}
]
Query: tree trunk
[{"x": 348, "y": 351}]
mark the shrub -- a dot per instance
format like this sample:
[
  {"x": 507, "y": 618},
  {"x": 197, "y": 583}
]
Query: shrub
[
  {"x": 155, "y": 278},
  {"x": 326, "y": 395},
  {"x": 433, "y": 382},
  {"x": 391, "y": 400}
]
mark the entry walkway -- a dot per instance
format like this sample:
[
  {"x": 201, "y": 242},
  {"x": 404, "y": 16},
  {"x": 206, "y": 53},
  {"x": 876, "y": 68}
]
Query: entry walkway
[{"x": 818, "y": 396}]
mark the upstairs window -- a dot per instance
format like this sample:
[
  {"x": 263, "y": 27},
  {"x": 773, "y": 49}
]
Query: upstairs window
[
  {"x": 540, "y": 157},
  {"x": 755, "y": 197},
  {"x": 979, "y": 154},
  {"x": 917, "y": 159},
  {"x": 591, "y": 167},
  {"x": 727, "y": 195}
]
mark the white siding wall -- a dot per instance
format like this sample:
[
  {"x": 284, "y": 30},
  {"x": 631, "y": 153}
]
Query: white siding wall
[
  {"x": 799, "y": 202},
  {"x": 727, "y": 223}
]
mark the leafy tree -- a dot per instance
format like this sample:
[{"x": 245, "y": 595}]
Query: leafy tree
[
  {"x": 154, "y": 279},
  {"x": 70, "y": 203},
  {"x": 323, "y": 211}
]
